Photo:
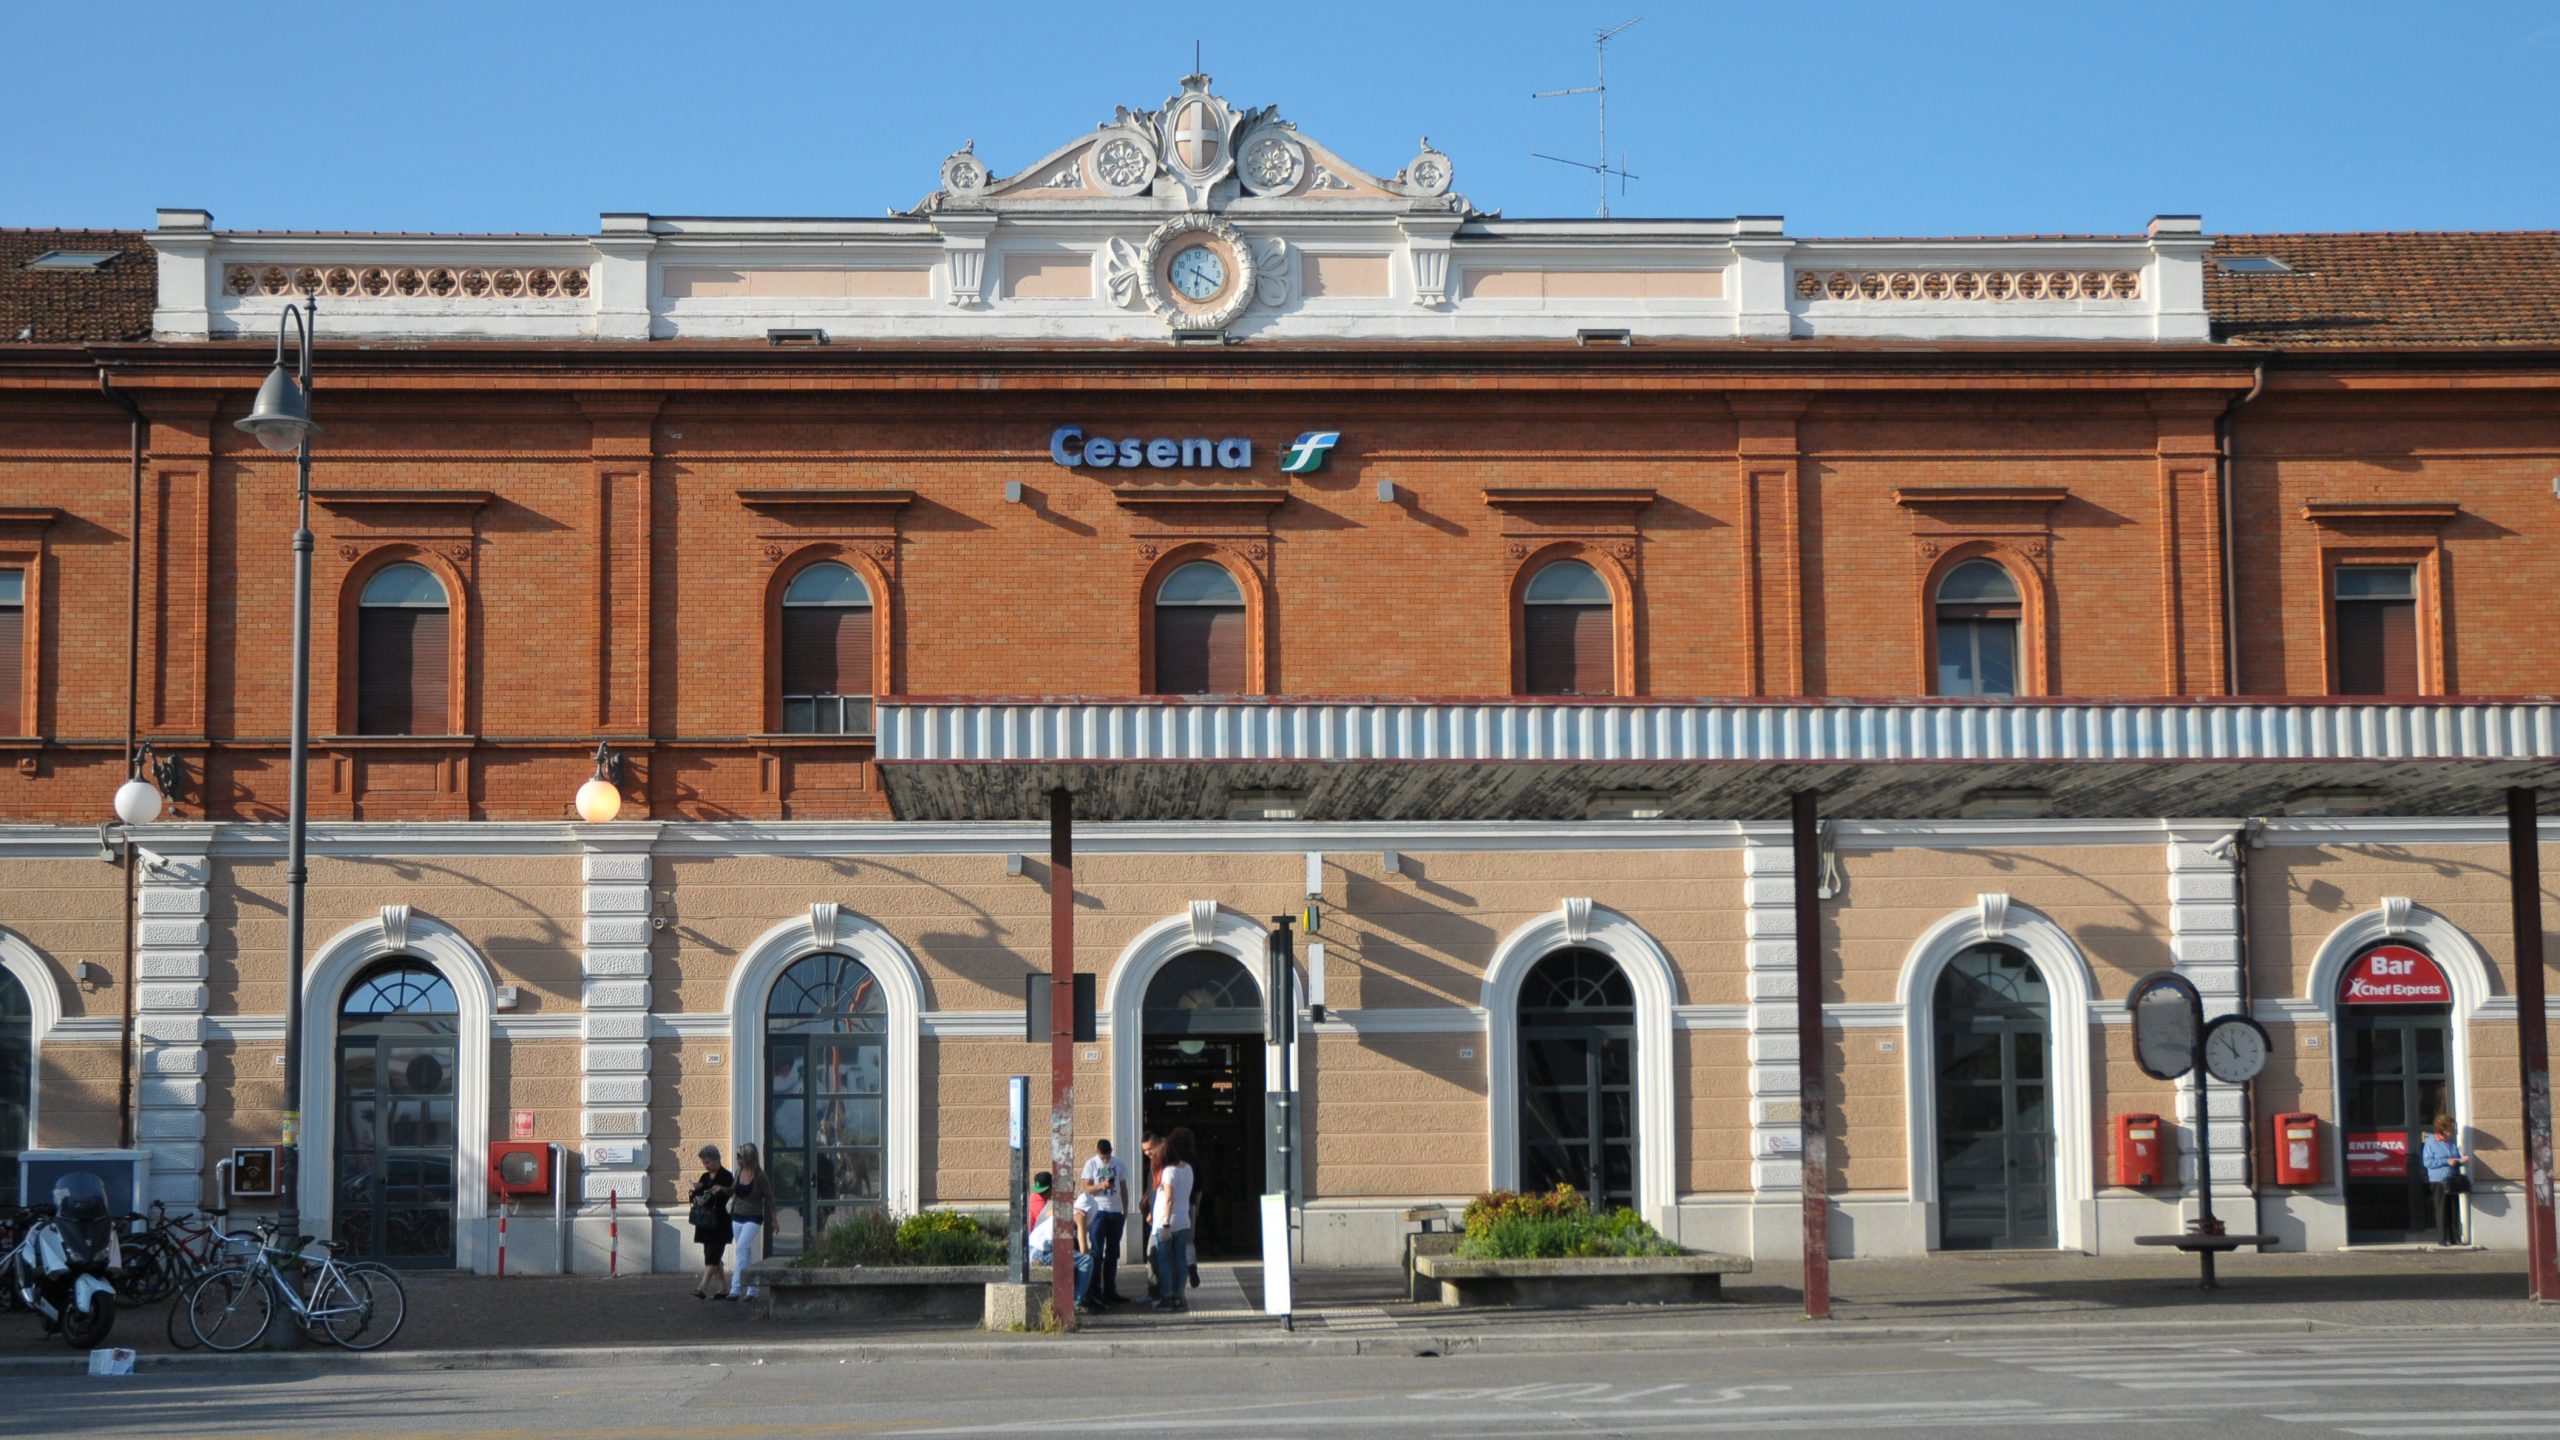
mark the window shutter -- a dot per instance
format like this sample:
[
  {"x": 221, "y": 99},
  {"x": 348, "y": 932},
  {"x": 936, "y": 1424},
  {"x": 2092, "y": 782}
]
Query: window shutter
[
  {"x": 853, "y": 652},
  {"x": 1225, "y": 646},
  {"x": 13, "y": 670},
  {"x": 404, "y": 662},
  {"x": 826, "y": 651},
  {"x": 1182, "y": 649},
  {"x": 1570, "y": 650},
  {"x": 2378, "y": 647}
]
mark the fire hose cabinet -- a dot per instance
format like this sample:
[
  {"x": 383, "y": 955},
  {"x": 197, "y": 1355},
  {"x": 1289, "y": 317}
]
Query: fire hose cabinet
[
  {"x": 2297, "y": 1149},
  {"x": 520, "y": 1167},
  {"x": 2140, "y": 1148}
]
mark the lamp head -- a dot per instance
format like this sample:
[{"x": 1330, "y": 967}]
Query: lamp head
[
  {"x": 600, "y": 799},
  {"x": 281, "y": 418},
  {"x": 137, "y": 801}
]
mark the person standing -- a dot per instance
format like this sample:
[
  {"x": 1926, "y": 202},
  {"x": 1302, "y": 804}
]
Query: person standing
[
  {"x": 1169, "y": 1219},
  {"x": 707, "y": 1206},
  {"x": 1102, "y": 1196},
  {"x": 2448, "y": 1179},
  {"x": 750, "y": 1207}
]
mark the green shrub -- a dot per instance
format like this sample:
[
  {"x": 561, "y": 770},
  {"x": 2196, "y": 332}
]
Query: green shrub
[
  {"x": 933, "y": 1237},
  {"x": 1504, "y": 1225}
]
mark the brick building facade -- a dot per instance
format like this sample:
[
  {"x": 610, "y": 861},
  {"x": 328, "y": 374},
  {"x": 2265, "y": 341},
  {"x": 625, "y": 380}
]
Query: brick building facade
[{"x": 581, "y": 480}]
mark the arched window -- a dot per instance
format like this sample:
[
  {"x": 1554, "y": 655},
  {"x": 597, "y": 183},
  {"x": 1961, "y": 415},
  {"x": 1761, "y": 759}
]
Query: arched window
[
  {"x": 826, "y": 1095},
  {"x": 404, "y": 654},
  {"x": 13, "y": 652},
  {"x": 826, "y": 652},
  {"x": 1977, "y": 619},
  {"x": 1577, "y": 1077},
  {"x": 1995, "y": 1103},
  {"x": 1200, "y": 632},
  {"x": 1569, "y": 634},
  {"x": 399, "y": 1055},
  {"x": 17, "y": 1076}
]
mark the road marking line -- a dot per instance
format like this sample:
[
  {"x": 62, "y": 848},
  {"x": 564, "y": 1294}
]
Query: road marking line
[{"x": 2344, "y": 1382}]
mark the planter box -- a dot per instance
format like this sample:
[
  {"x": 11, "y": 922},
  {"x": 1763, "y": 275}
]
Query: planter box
[
  {"x": 1553, "y": 1284},
  {"x": 914, "y": 1292}
]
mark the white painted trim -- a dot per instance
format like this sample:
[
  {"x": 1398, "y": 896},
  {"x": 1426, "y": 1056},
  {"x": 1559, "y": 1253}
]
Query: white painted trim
[
  {"x": 88, "y": 1029},
  {"x": 1955, "y": 834},
  {"x": 324, "y": 984},
  {"x": 2466, "y": 968},
  {"x": 244, "y": 1029},
  {"x": 1656, "y": 983},
  {"x": 2073, "y": 992},
  {"x": 1711, "y": 1017},
  {"x": 24, "y": 963},
  {"x": 1418, "y": 1020},
  {"x": 1867, "y": 1015},
  {"x": 973, "y": 1025},
  {"x": 902, "y": 993},
  {"x": 1124, "y": 999},
  {"x": 569, "y": 1025}
]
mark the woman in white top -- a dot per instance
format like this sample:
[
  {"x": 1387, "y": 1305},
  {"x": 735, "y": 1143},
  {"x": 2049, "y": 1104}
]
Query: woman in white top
[{"x": 1169, "y": 1219}]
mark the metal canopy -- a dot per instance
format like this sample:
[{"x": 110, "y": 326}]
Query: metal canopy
[{"x": 1416, "y": 760}]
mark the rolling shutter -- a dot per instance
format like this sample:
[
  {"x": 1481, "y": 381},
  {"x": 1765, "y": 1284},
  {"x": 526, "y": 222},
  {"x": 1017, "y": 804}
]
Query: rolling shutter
[
  {"x": 826, "y": 650},
  {"x": 1200, "y": 650},
  {"x": 13, "y": 670},
  {"x": 404, "y": 667},
  {"x": 2377, "y": 647},
  {"x": 1568, "y": 650}
]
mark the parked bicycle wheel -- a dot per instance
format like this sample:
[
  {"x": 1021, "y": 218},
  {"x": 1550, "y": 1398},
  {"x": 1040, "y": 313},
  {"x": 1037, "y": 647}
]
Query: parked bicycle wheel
[
  {"x": 182, "y": 1332},
  {"x": 363, "y": 1306},
  {"x": 153, "y": 1270},
  {"x": 231, "y": 1308}
]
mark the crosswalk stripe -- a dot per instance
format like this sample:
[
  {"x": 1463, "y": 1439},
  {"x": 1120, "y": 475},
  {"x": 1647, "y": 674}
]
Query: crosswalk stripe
[
  {"x": 2545, "y": 1428},
  {"x": 2342, "y": 1382},
  {"x": 2367, "y": 1417},
  {"x": 2414, "y": 1370}
]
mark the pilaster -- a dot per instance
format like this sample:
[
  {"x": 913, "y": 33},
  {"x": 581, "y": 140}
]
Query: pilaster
[
  {"x": 2204, "y": 945},
  {"x": 616, "y": 965},
  {"x": 1769, "y": 984},
  {"x": 171, "y": 931}
]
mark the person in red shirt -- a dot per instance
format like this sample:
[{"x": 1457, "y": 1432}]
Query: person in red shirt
[{"x": 1039, "y": 1199}]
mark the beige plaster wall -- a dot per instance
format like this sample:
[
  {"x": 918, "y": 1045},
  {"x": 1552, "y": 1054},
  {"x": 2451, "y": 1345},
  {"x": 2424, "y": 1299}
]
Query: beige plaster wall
[
  {"x": 963, "y": 1114},
  {"x": 77, "y": 1094},
  {"x": 2112, "y": 900},
  {"x": 71, "y": 911},
  {"x": 1714, "y": 1119},
  {"x": 1398, "y": 1115},
  {"x": 2300, "y": 894}
]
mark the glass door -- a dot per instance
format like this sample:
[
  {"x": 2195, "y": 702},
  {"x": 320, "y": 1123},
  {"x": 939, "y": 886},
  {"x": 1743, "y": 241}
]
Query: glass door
[
  {"x": 1994, "y": 1104},
  {"x": 1577, "y": 1113},
  {"x": 2398, "y": 1080},
  {"x": 825, "y": 1127},
  {"x": 398, "y": 1058}
]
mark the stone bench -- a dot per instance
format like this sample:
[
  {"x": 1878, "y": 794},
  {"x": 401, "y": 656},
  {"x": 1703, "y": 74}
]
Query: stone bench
[
  {"x": 885, "y": 1292},
  {"x": 1552, "y": 1284}
]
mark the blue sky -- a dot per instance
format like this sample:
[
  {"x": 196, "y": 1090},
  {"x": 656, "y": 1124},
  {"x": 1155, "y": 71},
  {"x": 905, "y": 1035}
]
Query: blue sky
[{"x": 1849, "y": 119}]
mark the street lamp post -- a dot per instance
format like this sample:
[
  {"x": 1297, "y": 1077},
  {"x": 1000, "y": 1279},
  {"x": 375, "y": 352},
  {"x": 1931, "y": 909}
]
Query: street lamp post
[{"x": 281, "y": 419}]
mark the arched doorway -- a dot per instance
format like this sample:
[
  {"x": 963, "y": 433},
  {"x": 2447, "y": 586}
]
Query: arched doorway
[
  {"x": 826, "y": 1066},
  {"x": 398, "y": 1054},
  {"x": 17, "y": 1079},
  {"x": 2396, "y": 1068},
  {"x": 1993, "y": 1020},
  {"x": 1202, "y": 1066},
  {"x": 1577, "y": 1044}
]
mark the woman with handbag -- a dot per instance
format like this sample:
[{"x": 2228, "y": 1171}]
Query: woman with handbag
[
  {"x": 708, "y": 1212},
  {"x": 2448, "y": 1179},
  {"x": 750, "y": 1203}
]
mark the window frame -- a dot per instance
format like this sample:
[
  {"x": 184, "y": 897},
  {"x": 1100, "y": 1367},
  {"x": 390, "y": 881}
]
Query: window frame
[
  {"x": 1248, "y": 582},
  {"x": 2423, "y": 562},
  {"x": 1622, "y": 618},
  {"x": 883, "y": 628},
  {"x": 2033, "y": 676},
  {"x": 350, "y": 641},
  {"x": 28, "y": 724}
]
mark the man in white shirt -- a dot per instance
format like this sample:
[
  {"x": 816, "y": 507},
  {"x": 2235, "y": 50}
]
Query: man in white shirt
[
  {"x": 1102, "y": 1196},
  {"x": 1043, "y": 1242}
]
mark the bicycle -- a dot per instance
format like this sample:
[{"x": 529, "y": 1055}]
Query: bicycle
[
  {"x": 358, "y": 1306},
  {"x": 172, "y": 1255}
]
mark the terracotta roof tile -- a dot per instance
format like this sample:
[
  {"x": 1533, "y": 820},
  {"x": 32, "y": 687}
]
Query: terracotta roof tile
[
  {"x": 2437, "y": 288},
  {"x": 112, "y": 302}
]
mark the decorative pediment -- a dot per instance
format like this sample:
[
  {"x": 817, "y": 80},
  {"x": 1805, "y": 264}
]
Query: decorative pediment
[{"x": 1197, "y": 151}]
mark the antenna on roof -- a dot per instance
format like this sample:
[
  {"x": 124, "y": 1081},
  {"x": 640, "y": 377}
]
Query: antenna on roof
[{"x": 1602, "y": 171}]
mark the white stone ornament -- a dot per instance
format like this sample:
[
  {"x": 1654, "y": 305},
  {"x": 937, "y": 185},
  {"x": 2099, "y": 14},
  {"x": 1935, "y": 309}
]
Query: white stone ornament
[
  {"x": 1271, "y": 271},
  {"x": 1124, "y": 164},
  {"x": 1429, "y": 173},
  {"x": 1271, "y": 161},
  {"x": 1198, "y": 131},
  {"x": 1123, "y": 271},
  {"x": 1235, "y": 262},
  {"x": 964, "y": 175}
]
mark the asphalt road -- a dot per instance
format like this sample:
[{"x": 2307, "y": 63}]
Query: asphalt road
[{"x": 2478, "y": 1383}]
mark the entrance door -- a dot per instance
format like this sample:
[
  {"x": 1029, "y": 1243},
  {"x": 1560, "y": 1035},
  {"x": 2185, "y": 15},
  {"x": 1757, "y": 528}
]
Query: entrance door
[
  {"x": 1994, "y": 1103},
  {"x": 17, "y": 1079},
  {"x": 1203, "y": 1067},
  {"x": 398, "y": 1054},
  {"x": 1577, "y": 1078},
  {"x": 2397, "y": 1069},
  {"x": 826, "y": 1096}
]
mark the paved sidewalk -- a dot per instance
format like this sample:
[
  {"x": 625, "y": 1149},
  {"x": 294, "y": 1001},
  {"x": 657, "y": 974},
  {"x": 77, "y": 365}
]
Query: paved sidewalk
[{"x": 458, "y": 1321}]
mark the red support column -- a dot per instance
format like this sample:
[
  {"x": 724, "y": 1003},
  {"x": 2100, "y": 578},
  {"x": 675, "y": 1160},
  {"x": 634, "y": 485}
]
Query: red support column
[
  {"x": 1062, "y": 1052},
  {"x": 1812, "y": 1095},
  {"x": 2533, "y": 1024}
]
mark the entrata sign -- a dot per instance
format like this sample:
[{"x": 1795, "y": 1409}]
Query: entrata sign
[
  {"x": 2377, "y": 1154},
  {"x": 2394, "y": 975}
]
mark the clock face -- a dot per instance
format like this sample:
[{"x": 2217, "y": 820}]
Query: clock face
[
  {"x": 1198, "y": 273},
  {"x": 2235, "y": 1049},
  {"x": 2164, "y": 1034}
]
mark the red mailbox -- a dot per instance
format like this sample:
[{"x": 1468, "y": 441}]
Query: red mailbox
[
  {"x": 2140, "y": 1146},
  {"x": 2297, "y": 1148},
  {"x": 520, "y": 1167}
]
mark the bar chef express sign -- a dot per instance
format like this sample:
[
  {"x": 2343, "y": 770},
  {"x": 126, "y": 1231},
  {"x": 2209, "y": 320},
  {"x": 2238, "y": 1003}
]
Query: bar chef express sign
[
  {"x": 2394, "y": 975},
  {"x": 1071, "y": 447}
]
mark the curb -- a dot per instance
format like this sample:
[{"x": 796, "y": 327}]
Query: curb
[{"x": 1263, "y": 1346}]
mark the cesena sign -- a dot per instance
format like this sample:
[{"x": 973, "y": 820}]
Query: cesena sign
[
  {"x": 2394, "y": 975},
  {"x": 1070, "y": 446}
]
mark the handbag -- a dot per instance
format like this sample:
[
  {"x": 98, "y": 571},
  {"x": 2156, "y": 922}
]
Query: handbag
[
  {"x": 2457, "y": 1182},
  {"x": 703, "y": 1213}
]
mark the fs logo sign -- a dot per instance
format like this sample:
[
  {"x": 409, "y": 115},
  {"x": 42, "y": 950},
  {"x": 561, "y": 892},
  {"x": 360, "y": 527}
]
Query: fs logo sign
[{"x": 1306, "y": 454}]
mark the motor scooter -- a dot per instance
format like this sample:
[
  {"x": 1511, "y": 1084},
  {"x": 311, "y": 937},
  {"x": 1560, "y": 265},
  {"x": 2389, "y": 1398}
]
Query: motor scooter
[{"x": 60, "y": 1265}]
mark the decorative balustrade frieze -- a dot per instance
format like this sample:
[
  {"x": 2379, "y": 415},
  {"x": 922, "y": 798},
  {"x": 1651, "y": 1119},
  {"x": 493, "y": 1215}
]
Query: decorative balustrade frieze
[
  {"x": 497, "y": 283},
  {"x": 1961, "y": 286}
]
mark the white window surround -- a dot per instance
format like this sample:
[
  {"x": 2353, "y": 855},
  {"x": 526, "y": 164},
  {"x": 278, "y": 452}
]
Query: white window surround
[
  {"x": 1579, "y": 924},
  {"x": 25, "y": 964},
  {"x": 397, "y": 933},
  {"x": 1208, "y": 926},
  {"x": 824, "y": 930},
  {"x": 2465, "y": 968},
  {"x": 2072, "y": 989}
]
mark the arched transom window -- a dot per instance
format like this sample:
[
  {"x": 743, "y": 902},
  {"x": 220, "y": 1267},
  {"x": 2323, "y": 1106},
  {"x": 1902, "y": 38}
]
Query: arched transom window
[
  {"x": 1200, "y": 632},
  {"x": 1977, "y": 618},
  {"x": 404, "y": 653},
  {"x": 826, "y": 652},
  {"x": 1568, "y": 632}
]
